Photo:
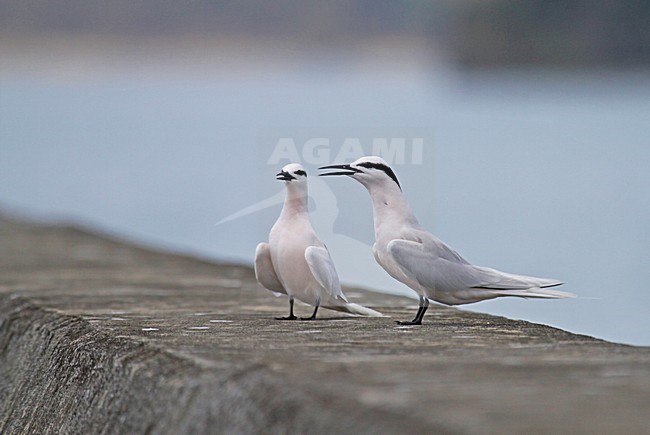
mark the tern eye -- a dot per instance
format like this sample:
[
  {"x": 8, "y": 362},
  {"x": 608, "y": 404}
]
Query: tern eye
[
  {"x": 378, "y": 166},
  {"x": 381, "y": 167},
  {"x": 301, "y": 172}
]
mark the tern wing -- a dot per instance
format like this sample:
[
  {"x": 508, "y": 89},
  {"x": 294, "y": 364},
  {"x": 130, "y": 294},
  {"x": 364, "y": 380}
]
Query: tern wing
[
  {"x": 437, "y": 246},
  {"x": 264, "y": 271},
  {"x": 322, "y": 267},
  {"x": 436, "y": 272}
]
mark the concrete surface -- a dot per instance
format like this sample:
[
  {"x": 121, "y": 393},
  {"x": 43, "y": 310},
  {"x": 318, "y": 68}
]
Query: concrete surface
[{"x": 97, "y": 336}]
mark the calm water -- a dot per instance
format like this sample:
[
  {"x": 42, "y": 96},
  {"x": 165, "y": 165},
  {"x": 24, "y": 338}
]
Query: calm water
[{"x": 541, "y": 174}]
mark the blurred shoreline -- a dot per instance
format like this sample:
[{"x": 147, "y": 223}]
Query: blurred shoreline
[
  {"x": 468, "y": 34},
  {"x": 88, "y": 58},
  {"x": 76, "y": 57}
]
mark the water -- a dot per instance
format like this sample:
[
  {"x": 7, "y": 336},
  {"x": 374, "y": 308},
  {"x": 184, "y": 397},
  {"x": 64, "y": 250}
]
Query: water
[{"x": 540, "y": 174}]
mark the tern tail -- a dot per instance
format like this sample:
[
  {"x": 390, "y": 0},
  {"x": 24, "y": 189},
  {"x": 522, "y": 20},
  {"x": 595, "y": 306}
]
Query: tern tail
[
  {"x": 535, "y": 292},
  {"x": 357, "y": 309}
]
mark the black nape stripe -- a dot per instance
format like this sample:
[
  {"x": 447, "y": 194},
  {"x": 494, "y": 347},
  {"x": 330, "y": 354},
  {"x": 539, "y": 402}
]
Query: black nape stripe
[
  {"x": 382, "y": 167},
  {"x": 301, "y": 172}
]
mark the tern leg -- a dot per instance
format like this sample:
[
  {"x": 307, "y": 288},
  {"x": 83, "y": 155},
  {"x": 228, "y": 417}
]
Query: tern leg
[
  {"x": 290, "y": 316},
  {"x": 424, "y": 304},
  {"x": 313, "y": 316},
  {"x": 422, "y": 310}
]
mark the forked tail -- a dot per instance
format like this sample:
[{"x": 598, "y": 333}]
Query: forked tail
[{"x": 535, "y": 292}]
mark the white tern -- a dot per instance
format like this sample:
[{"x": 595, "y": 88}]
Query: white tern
[
  {"x": 417, "y": 258},
  {"x": 295, "y": 262}
]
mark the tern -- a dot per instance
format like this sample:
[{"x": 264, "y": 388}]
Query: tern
[
  {"x": 295, "y": 262},
  {"x": 417, "y": 258}
]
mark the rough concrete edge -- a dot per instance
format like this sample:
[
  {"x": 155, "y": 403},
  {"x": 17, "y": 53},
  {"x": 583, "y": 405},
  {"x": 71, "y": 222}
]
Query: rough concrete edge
[
  {"x": 60, "y": 375},
  {"x": 98, "y": 231}
]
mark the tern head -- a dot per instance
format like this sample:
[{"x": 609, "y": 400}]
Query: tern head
[
  {"x": 293, "y": 173},
  {"x": 369, "y": 170}
]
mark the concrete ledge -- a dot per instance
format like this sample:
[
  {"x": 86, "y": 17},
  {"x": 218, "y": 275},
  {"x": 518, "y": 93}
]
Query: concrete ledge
[{"x": 100, "y": 336}]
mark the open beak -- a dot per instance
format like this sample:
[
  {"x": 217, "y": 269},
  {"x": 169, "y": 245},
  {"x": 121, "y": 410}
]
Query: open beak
[
  {"x": 284, "y": 176},
  {"x": 343, "y": 170}
]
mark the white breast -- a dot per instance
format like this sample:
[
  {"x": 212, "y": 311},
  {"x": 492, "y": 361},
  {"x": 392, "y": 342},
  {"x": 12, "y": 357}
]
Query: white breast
[{"x": 288, "y": 241}]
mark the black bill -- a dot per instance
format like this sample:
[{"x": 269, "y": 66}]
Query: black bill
[
  {"x": 284, "y": 176},
  {"x": 343, "y": 170}
]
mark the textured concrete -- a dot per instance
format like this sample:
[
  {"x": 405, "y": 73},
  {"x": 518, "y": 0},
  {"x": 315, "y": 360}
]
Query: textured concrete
[{"x": 99, "y": 336}]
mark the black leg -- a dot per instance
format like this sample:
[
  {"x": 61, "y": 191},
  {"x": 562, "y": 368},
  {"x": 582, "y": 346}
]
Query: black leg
[
  {"x": 424, "y": 305},
  {"x": 313, "y": 316},
  {"x": 418, "y": 320},
  {"x": 290, "y": 316}
]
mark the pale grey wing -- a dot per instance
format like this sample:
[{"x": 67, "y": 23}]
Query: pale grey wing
[
  {"x": 509, "y": 280},
  {"x": 264, "y": 271},
  {"x": 437, "y": 246},
  {"x": 435, "y": 272},
  {"x": 322, "y": 267}
]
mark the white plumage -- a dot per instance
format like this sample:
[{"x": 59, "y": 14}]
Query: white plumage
[
  {"x": 295, "y": 262},
  {"x": 423, "y": 262}
]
